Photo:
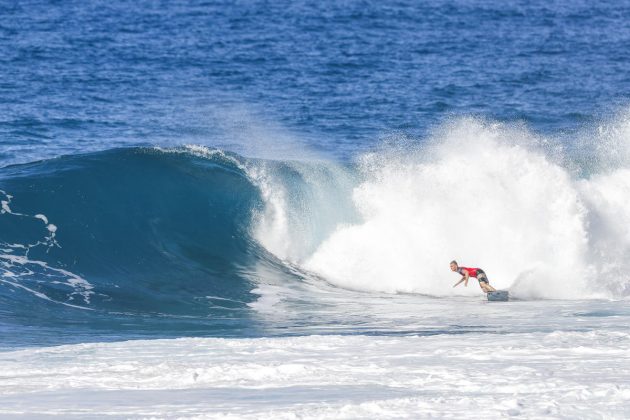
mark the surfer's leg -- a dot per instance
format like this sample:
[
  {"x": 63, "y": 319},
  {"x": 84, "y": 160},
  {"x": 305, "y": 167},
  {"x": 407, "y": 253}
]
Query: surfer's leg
[
  {"x": 484, "y": 284},
  {"x": 486, "y": 287}
]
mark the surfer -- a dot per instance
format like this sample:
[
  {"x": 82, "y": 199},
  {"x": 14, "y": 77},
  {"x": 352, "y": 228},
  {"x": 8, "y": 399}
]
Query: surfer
[{"x": 468, "y": 272}]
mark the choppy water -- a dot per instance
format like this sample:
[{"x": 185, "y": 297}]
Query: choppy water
[{"x": 81, "y": 76}]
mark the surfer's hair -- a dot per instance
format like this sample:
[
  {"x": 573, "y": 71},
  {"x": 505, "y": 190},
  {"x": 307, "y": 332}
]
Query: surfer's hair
[{"x": 454, "y": 262}]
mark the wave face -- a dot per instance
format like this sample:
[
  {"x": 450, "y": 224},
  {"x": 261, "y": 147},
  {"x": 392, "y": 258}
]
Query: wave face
[
  {"x": 131, "y": 231},
  {"x": 198, "y": 232},
  {"x": 163, "y": 233}
]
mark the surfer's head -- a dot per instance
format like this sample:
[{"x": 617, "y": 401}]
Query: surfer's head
[{"x": 454, "y": 265}]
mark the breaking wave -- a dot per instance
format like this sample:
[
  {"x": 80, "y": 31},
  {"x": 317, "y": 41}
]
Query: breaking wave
[{"x": 182, "y": 230}]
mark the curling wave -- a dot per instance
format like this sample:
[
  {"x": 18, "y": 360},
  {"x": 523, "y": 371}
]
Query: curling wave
[{"x": 182, "y": 230}]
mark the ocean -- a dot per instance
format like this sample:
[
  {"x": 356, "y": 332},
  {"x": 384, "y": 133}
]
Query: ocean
[{"x": 247, "y": 209}]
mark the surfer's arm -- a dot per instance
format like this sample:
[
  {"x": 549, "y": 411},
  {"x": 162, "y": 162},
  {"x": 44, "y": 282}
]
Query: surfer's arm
[
  {"x": 459, "y": 282},
  {"x": 465, "y": 278}
]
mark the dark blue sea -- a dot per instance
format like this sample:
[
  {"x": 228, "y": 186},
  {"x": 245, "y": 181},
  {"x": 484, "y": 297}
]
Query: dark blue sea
[{"x": 244, "y": 169}]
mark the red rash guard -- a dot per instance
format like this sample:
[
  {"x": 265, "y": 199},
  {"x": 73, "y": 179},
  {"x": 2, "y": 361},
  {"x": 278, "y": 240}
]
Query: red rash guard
[{"x": 472, "y": 272}]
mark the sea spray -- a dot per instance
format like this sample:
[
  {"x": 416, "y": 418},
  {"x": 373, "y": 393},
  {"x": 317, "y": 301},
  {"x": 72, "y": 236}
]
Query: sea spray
[
  {"x": 488, "y": 194},
  {"x": 476, "y": 197}
]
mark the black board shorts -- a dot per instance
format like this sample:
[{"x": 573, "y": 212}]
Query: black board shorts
[{"x": 481, "y": 276}]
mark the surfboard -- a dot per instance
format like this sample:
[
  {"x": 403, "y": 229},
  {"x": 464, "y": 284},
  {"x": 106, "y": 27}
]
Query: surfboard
[{"x": 499, "y": 296}]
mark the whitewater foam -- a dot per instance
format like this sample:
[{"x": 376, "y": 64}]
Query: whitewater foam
[
  {"x": 558, "y": 374},
  {"x": 19, "y": 271},
  {"x": 487, "y": 194}
]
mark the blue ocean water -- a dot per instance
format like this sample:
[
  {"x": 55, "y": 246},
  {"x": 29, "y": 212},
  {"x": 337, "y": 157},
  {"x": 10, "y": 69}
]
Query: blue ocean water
[
  {"x": 82, "y": 76},
  {"x": 113, "y": 228}
]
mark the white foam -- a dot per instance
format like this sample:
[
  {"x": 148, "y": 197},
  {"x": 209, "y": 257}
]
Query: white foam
[
  {"x": 482, "y": 198},
  {"x": 20, "y": 269},
  {"x": 606, "y": 196},
  {"x": 16, "y": 265},
  {"x": 489, "y": 195},
  {"x": 535, "y": 375},
  {"x": 42, "y": 217}
]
